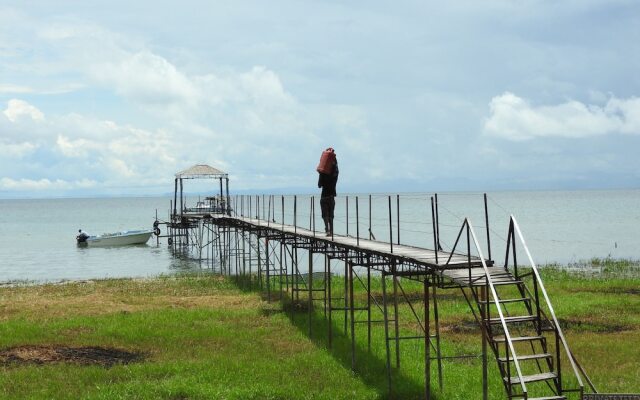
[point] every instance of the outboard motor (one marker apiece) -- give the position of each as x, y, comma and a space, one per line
82, 237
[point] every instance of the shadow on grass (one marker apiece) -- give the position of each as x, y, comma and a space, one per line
370, 367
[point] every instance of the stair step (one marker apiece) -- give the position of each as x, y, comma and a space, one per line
521, 318
506, 282
499, 274
531, 378
548, 398
501, 339
525, 299
527, 357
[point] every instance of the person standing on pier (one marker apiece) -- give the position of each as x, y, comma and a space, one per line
328, 171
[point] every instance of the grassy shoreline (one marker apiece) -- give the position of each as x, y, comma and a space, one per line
202, 336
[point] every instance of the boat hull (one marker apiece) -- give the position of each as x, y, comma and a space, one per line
120, 239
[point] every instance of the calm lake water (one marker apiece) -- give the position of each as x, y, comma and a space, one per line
37, 237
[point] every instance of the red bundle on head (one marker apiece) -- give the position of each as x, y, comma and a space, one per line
327, 161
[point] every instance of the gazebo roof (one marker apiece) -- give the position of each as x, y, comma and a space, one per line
201, 171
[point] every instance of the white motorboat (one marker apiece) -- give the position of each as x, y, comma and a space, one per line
116, 239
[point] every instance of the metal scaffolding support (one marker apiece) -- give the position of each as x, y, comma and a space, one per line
252, 242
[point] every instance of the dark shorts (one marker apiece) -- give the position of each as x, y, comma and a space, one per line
327, 204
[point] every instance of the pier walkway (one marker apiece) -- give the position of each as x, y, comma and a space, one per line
456, 267
294, 264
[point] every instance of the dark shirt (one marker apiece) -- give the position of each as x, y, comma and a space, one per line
328, 184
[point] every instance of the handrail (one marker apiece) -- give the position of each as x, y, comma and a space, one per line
582, 371
546, 298
507, 336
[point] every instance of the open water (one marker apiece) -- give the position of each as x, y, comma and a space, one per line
37, 237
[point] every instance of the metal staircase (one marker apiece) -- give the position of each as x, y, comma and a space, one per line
519, 324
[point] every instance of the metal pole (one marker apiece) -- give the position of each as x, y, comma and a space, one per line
310, 288
357, 224
368, 305
326, 279
181, 198
437, 323
219, 234
235, 236
346, 292
170, 224
386, 330
390, 227
433, 223
370, 233
230, 251
469, 253
286, 275
396, 317
311, 213
515, 257
347, 204
269, 212
260, 284
398, 216
437, 223
250, 276
486, 220
209, 243
427, 340
297, 272
353, 318
175, 197
485, 374
228, 199
330, 305
268, 268
250, 257
243, 271
282, 264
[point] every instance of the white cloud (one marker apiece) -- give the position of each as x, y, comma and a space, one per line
43, 184
629, 111
74, 148
145, 77
17, 109
17, 150
514, 118
9, 88
264, 87
116, 152
53, 90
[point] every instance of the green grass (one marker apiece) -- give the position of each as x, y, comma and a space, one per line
206, 337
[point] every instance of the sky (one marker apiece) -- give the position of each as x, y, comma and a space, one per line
113, 98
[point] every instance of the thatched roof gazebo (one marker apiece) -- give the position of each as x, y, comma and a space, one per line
201, 171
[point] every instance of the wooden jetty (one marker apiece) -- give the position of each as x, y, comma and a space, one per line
248, 236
